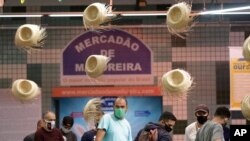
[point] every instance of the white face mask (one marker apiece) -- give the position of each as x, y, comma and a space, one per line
49, 125
65, 130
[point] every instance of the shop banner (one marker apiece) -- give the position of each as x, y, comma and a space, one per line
106, 91
239, 77
130, 64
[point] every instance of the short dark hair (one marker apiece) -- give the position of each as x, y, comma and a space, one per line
167, 116
222, 112
122, 97
68, 120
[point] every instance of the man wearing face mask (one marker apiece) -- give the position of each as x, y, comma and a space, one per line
114, 127
48, 132
164, 127
212, 130
67, 124
201, 113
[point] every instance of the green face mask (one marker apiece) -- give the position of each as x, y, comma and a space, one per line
120, 113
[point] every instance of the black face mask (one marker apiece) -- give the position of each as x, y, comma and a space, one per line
167, 128
201, 119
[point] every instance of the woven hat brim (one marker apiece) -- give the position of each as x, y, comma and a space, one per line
25, 96
183, 86
182, 20
246, 49
245, 107
99, 66
92, 110
29, 35
99, 17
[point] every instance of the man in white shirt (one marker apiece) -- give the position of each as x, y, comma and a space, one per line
201, 113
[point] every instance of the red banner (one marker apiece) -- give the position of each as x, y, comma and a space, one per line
106, 91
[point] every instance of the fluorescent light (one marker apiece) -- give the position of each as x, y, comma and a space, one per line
19, 16
110, 15
224, 10
146, 14
65, 15
232, 13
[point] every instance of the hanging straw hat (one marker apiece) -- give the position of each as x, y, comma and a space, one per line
30, 36
25, 89
95, 65
92, 111
246, 49
245, 107
95, 14
178, 18
177, 82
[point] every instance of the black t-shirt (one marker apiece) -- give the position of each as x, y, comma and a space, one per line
89, 135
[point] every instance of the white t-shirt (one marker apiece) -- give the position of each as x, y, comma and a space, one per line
190, 132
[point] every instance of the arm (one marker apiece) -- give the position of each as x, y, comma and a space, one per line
218, 133
137, 136
217, 139
60, 135
164, 136
38, 136
186, 135
27, 138
100, 134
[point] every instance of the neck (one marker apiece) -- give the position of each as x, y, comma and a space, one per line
198, 124
216, 120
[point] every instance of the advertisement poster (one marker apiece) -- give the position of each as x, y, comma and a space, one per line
139, 112
239, 77
130, 59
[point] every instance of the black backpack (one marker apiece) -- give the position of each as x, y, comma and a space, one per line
151, 135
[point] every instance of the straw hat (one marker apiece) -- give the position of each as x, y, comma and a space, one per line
176, 82
178, 18
92, 111
246, 49
30, 36
95, 65
245, 107
95, 14
25, 89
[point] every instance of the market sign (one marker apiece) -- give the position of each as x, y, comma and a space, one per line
130, 64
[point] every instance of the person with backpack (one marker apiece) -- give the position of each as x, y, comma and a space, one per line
158, 131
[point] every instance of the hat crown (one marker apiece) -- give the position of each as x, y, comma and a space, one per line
202, 107
95, 65
25, 89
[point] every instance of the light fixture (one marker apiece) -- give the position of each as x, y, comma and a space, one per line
65, 15
222, 11
230, 11
20, 16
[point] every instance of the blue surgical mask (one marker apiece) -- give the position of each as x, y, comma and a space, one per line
120, 113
